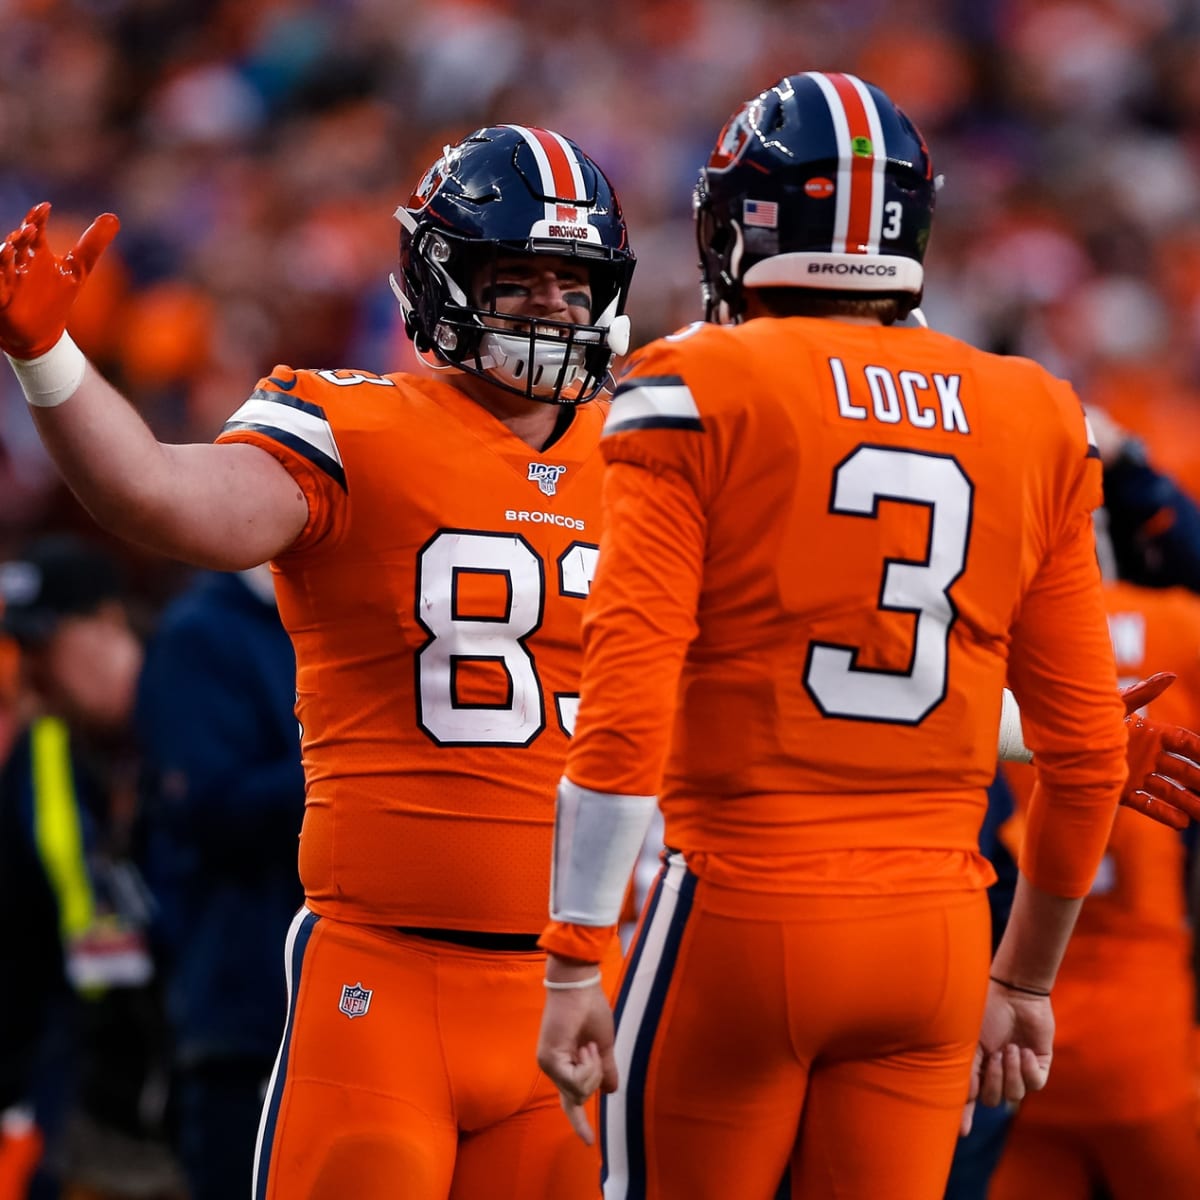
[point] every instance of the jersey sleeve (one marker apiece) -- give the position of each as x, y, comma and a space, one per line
1063, 673
285, 417
640, 618
641, 614
655, 421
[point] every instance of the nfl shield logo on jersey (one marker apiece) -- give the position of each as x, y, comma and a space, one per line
355, 1000
545, 476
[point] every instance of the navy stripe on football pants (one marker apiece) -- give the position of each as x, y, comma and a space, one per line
301, 929
638, 1013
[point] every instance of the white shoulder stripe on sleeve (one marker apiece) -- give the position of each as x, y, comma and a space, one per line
653, 402
309, 428
295, 423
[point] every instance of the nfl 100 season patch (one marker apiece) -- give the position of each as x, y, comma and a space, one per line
546, 477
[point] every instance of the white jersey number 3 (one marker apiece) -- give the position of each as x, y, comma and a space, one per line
456, 641
838, 686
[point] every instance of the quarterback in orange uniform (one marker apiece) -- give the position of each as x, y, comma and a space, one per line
433, 540
829, 540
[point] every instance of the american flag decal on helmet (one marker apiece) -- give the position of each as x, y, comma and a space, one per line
764, 213
862, 162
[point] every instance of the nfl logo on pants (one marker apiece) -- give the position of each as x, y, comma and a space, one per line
355, 1000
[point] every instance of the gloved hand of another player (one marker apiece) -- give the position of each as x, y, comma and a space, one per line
37, 287
20, 1151
1138, 695
1164, 760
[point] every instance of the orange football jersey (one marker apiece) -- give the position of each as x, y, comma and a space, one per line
864, 531
1123, 999
434, 600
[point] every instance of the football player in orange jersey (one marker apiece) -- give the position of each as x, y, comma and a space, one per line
433, 539
433, 543
1120, 1113
829, 538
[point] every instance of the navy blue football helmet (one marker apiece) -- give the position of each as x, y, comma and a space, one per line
502, 190
819, 182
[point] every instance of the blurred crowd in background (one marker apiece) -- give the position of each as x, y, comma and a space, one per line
256, 149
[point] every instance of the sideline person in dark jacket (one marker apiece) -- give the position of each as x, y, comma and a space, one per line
81, 1026
225, 797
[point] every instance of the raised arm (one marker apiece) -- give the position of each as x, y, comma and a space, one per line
216, 505
222, 506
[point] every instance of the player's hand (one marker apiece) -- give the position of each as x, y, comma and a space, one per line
575, 1049
37, 288
1014, 1053
1164, 775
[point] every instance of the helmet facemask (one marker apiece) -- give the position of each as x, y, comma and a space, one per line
721, 244
540, 358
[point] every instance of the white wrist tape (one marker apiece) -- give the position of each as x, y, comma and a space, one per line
1012, 746
597, 838
52, 377
573, 985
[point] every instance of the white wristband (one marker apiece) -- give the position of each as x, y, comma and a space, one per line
597, 836
1012, 746
52, 377
572, 985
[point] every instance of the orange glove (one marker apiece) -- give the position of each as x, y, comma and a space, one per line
1138, 695
20, 1152
1164, 760
37, 288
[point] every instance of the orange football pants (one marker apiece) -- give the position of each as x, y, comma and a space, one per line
775, 1046
1131, 1160
408, 1069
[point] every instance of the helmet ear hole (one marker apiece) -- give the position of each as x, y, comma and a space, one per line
722, 241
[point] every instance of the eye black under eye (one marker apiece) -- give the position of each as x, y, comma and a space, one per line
504, 291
